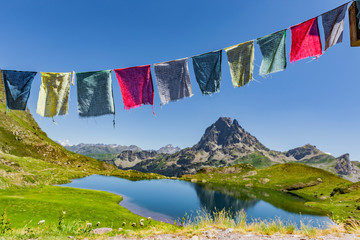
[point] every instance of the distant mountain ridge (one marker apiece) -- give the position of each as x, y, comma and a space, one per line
224, 143
86, 149
169, 149
112, 152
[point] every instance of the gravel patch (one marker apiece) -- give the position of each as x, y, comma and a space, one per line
231, 235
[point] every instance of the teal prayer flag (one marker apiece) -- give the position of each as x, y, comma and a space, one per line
207, 68
95, 95
274, 54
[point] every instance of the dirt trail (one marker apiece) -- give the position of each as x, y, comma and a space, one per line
230, 234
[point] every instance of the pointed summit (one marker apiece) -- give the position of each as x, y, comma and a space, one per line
225, 133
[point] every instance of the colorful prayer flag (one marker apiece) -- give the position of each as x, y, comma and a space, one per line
54, 94
241, 62
17, 86
207, 68
333, 23
173, 80
136, 86
305, 40
95, 94
274, 54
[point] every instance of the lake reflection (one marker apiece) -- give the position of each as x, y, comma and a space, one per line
169, 200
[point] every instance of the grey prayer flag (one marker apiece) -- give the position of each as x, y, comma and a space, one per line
173, 80
333, 22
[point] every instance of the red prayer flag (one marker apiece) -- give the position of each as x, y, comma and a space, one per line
305, 40
136, 86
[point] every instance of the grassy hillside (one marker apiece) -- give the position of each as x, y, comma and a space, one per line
30, 163
256, 159
321, 189
29, 157
22, 139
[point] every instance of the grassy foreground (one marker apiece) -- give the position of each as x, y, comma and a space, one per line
28, 206
220, 220
66, 211
28, 197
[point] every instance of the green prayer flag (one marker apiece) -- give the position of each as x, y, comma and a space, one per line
274, 54
95, 95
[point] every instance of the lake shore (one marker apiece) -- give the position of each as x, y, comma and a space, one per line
171, 200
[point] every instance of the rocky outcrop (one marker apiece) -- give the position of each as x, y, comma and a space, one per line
132, 156
306, 151
344, 166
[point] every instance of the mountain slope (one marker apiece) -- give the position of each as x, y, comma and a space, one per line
226, 143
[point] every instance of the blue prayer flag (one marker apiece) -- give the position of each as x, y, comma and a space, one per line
207, 68
17, 86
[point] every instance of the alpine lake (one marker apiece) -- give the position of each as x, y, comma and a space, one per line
170, 200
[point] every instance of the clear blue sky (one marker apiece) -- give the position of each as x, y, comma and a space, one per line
314, 102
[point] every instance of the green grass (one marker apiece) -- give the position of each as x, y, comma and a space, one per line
256, 159
103, 156
27, 206
323, 161
204, 221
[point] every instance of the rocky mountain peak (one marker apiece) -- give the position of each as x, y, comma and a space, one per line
225, 133
169, 149
223, 122
344, 165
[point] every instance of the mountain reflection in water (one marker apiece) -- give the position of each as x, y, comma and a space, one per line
169, 200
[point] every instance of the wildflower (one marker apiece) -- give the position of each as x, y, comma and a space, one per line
64, 212
41, 222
